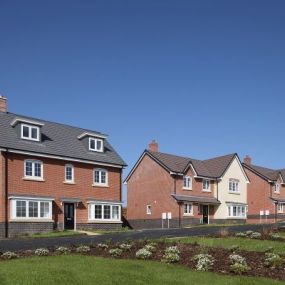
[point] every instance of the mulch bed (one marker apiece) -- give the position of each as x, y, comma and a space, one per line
254, 260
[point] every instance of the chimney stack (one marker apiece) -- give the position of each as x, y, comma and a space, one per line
247, 160
3, 104
153, 146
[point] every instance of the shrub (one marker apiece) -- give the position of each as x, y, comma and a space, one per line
83, 249
41, 251
249, 233
224, 232
239, 268
273, 260
204, 262
150, 247
235, 258
275, 237
234, 248
255, 235
9, 255
143, 253
171, 257
240, 234
102, 245
172, 249
63, 250
115, 252
125, 246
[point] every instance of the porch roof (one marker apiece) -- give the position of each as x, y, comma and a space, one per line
196, 199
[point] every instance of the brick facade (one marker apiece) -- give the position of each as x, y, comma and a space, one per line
54, 186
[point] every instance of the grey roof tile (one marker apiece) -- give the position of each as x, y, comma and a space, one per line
58, 139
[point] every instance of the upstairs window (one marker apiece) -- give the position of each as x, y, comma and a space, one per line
276, 187
100, 177
33, 169
187, 182
29, 132
233, 186
69, 176
206, 185
96, 144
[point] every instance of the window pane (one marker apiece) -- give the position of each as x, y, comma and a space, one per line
25, 132
29, 168
20, 209
68, 173
229, 211
44, 211
115, 213
92, 144
103, 177
33, 209
98, 211
97, 176
99, 145
34, 133
38, 169
107, 212
234, 211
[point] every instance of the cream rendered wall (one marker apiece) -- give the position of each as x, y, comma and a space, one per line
234, 171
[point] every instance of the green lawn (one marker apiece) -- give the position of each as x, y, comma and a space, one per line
79, 270
243, 243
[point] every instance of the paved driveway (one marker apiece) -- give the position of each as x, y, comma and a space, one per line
29, 243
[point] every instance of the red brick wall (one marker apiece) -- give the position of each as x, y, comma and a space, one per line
2, 189
54, 174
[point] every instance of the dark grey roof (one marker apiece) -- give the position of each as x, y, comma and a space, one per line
70, 200
213, 168
267, 173
57, 139
278, 200
196, 199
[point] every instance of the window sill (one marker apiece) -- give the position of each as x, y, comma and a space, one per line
69, 183
100, 185
104, 222
278, 193
239, 218
235, 193
204, 190
33, 179
187, 189
188, 215
25, 220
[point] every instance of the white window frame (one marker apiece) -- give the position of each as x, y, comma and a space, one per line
39, 201
280, 208
209, 185
33, 177
188, 184
234, 186
91, 212
148, 209
72, 173
30, 127
100, 177
187, 212
95, 144
241, 211
276, 187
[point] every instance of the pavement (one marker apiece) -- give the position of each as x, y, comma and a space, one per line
33, 243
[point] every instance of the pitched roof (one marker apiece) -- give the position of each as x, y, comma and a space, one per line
57, 139
212, 168
267, 173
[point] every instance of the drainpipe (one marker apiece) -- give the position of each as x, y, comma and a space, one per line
6, 195
217, 189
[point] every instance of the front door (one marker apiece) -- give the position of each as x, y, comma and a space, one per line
68, 216
205, 214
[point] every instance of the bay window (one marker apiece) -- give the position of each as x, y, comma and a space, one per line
237, 211
104, 212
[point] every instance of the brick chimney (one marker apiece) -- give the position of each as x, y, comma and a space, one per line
153, 146
3, 104
247, 160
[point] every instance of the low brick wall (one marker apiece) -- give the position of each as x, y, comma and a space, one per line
99, 226
19, 228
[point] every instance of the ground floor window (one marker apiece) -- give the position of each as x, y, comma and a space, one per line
104, 212
188, 209
237, 211
280, 208
31, 209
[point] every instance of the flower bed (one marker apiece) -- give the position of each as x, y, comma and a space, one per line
193, 256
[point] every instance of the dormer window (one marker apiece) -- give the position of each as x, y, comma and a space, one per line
29, 132
96, 144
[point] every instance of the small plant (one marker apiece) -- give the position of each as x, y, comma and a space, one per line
108, 241
240, 234
269, 249
150, 247
255, 235
63, 250
238, 264
9, 255
234, 248
143, 253
103, 245
204, 262
115, 252
83, 249
224, 232
275, 237
249, 233
125, 246
235, 258
41, 251
273, 260
172, 249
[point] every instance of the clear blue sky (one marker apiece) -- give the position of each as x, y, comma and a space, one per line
203, 78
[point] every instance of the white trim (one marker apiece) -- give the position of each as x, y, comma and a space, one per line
209, 185
281, 211
231, 216
33, 177
96, 140
189, 182
16, 120
62, 158
192, 209
148, 209
30, 198
30, 127
104, 202
91, 212
92, 135
276, 184
72, 174
100, 184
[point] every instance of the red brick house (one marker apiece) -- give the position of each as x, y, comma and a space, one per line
55, 176
266, 193
193, 191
